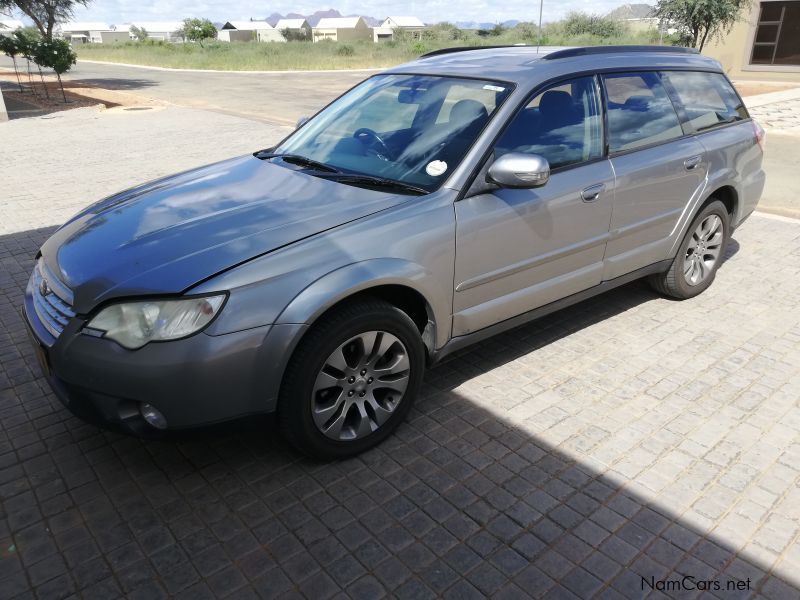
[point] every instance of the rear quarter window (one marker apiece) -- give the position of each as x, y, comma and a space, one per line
708, 98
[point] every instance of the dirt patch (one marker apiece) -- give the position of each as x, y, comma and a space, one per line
47, 95
754, 88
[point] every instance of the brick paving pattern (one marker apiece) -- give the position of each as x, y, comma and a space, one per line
627, 438
783, 115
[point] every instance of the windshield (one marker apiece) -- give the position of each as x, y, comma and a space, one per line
413, 129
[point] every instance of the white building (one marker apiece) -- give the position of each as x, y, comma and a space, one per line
248, 31
300, 26
93, 32
8, 26
161, 30
342, 29
385, 32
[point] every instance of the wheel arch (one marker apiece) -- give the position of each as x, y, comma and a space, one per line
725, 193
396, 281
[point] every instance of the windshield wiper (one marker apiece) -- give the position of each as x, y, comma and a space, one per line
381, 182
296, 159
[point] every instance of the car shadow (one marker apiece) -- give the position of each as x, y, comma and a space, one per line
462, 501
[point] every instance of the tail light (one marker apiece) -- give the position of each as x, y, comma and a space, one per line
760, 134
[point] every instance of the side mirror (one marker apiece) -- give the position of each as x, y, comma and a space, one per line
301, 121
517, 170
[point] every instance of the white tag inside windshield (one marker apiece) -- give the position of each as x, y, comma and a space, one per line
436, 168
494, 88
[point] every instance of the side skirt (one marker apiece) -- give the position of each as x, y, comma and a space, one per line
457, 343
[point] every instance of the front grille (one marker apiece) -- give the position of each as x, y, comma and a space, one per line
54, 306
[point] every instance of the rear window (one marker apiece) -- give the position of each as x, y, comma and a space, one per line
640, 112
708, 98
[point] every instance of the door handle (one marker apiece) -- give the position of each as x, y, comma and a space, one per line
690, 164
592, 193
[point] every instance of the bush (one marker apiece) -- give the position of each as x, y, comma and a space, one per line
418, 48
443, 32
345, 50
580, 23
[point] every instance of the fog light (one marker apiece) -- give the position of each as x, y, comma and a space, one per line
152, 415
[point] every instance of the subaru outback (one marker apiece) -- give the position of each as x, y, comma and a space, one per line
431, 206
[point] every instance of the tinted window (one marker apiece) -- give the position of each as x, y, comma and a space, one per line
563, 124
639, 111
708, 98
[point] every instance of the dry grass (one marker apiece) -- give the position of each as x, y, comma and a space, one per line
275, 56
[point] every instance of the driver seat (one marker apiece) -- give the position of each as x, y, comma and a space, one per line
468, 116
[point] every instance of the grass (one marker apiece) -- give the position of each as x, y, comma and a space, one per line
269, 56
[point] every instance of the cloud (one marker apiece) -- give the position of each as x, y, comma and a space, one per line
430, 11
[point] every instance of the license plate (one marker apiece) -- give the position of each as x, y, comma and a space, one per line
41, 354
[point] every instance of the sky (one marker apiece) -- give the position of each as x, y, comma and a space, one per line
430, 11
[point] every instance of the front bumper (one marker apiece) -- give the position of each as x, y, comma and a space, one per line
196, 381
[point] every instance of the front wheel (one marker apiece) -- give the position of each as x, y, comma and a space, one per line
699, 256
352, 380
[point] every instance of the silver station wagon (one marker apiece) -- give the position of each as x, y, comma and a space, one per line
431, 206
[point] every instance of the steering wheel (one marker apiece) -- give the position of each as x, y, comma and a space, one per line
365, 135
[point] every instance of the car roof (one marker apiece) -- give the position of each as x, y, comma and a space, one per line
529, 65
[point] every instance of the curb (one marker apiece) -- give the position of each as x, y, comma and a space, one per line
294, 71
3, 111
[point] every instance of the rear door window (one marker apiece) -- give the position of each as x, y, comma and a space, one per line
640, 112
708, 98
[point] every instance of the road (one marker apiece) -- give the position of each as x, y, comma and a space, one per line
278, 98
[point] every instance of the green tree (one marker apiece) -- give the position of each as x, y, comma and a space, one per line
294, 35
700, 21
580, 23
26, 39
9, 47
44, 13
57, 55
140, 33
197, 30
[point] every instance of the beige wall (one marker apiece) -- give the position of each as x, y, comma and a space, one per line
343, 34
735, 48
236, 35
270, 35
109, 37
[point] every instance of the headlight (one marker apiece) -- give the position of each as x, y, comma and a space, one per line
134, 324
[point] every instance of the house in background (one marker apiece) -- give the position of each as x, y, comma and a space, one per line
637, 17
299, 26
80, 32
765, 44
248, 31
342, 29
410, 25
9, 26
161, 30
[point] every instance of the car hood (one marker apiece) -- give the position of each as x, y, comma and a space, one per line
165, 236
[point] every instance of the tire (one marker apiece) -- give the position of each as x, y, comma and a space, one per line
692, 270
338, 397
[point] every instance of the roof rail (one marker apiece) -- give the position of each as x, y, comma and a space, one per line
466, 49
587, 51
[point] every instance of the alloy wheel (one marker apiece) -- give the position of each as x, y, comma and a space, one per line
704, 250
360, 385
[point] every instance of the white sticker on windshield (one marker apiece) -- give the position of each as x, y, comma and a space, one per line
494, 88
436, 168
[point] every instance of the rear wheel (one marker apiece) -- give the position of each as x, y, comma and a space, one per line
352, 380
699, 256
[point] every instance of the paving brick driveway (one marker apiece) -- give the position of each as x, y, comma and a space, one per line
625, 441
